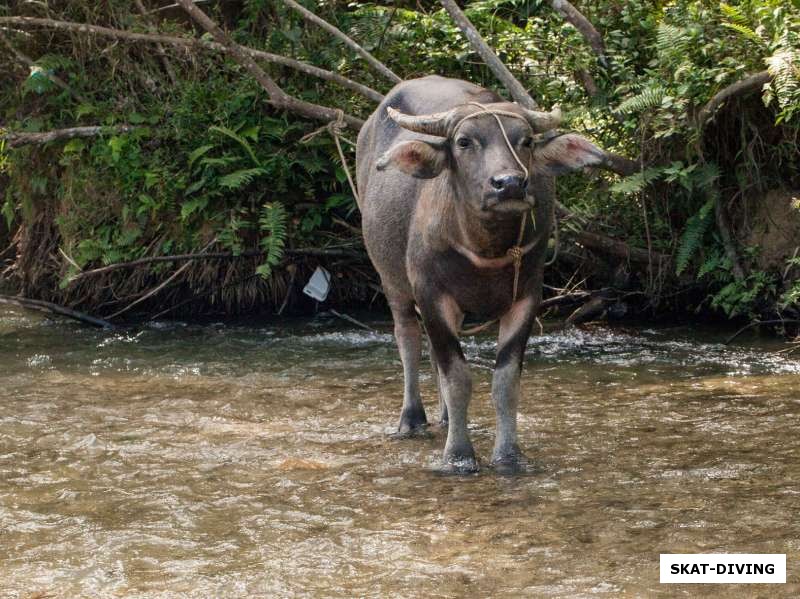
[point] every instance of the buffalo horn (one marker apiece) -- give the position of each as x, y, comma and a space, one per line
543, 121
430, 124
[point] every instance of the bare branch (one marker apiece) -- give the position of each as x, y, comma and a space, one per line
319, 252
574, 17
337, 33
277, 97
193, 43
40, 306
514, 87
162, 55
619, 249
27, 61
21, 139
747, 85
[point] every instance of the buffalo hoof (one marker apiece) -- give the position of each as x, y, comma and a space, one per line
511, 464
459, 467
461, 461
413, 423
418, 432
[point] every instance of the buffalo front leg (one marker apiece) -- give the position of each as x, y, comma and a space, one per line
515, 328
442, 319
409, 342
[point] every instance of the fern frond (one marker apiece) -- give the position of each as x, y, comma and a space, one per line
692, 236
705, 176
784, 66
240, 178
647, 98
733, 14
637, 181
672, 40
272, 223
238, 139
744, 31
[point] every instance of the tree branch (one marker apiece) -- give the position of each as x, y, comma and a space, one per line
277, 97
194, 43
21, 139
40, 306
514, 87
619, 249
574, 17
319, 22
747, 85
27, 61
324, 252
161, 54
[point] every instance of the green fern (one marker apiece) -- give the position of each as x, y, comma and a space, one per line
672, 40
272, 223
692, 236
784, 66
238, 139
637, 181
647, 98
744, 31
241, 178
733, 14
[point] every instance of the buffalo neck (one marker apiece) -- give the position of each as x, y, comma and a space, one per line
490, 234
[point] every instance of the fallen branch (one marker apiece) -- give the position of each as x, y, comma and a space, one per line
50, 308
161, 286
619, 249
758, 323
514, 87
574, 17
352, 320
747, 85
197, 44
29, 62
326, 252
277, 97
337, 33
560, 300
196, 297
21, 139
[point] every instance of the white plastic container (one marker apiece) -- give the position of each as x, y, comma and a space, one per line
318, 285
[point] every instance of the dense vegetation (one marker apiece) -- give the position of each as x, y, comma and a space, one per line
209, 165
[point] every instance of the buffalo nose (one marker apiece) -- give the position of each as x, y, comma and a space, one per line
511, 186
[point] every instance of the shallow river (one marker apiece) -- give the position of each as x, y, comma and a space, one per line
231, 461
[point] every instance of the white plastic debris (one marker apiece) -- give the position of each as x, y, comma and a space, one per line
318, 285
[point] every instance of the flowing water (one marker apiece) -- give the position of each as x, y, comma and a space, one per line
233, 461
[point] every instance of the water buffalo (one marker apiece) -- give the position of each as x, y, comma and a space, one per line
442, 198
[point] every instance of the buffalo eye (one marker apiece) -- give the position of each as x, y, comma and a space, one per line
463, 142
527, 142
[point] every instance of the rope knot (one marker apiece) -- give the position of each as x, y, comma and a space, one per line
515, 253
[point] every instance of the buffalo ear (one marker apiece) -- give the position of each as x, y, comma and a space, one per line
419, 159
568, 152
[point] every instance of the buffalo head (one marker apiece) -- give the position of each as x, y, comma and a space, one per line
477, 151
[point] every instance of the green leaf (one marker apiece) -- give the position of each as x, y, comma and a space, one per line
192, 206
240, 178
198, 153
692, 237
238, 139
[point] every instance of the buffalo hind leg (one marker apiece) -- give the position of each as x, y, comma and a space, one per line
515, 328
409, 343
442, 319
